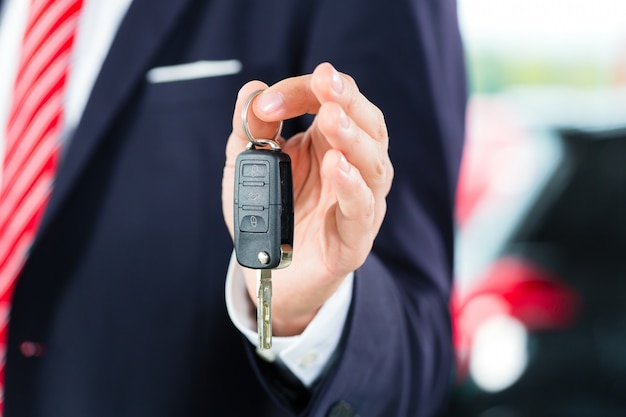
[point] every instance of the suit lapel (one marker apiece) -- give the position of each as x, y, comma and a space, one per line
141, 32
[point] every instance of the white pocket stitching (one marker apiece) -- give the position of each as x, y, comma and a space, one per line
193, 70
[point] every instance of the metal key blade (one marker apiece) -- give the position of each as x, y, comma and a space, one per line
264, 308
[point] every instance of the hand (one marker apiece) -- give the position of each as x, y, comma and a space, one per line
342, 174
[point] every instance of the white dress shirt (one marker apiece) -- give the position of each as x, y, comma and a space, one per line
306, 354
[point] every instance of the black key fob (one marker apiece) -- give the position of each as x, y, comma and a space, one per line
263, 206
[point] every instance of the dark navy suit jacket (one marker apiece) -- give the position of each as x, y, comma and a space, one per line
123, 292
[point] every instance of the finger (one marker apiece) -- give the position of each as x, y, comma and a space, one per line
289, 98
364, 143
366, 146
369, 156
257, 127
329, 85
355, 215
295, 96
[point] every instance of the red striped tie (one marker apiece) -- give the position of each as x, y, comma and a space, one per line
32, 139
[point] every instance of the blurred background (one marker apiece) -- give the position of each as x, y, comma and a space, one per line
539, 305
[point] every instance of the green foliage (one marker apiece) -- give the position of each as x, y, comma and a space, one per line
491, 72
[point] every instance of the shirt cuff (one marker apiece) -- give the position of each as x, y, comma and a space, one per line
307, 354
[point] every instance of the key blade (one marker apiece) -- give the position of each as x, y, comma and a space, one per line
264, 308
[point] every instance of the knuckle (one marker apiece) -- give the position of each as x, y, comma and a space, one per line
370, 208
389, 177
351, 82
381, 165
381, 126
354, 94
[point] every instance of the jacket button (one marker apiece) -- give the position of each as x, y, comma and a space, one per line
342, 409
31, 349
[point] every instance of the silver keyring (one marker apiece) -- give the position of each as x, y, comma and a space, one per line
273, 142
263, 142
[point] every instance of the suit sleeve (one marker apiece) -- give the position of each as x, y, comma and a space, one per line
406, 57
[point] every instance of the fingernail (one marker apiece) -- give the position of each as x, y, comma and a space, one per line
337, 83
343, 164
270, 102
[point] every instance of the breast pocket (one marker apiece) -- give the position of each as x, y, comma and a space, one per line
194, 82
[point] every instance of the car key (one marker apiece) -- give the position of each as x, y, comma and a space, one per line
263, 216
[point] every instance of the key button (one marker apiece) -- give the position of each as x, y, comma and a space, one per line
255, 170
253, 224
254, 195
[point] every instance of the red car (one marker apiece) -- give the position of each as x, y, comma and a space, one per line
539, 309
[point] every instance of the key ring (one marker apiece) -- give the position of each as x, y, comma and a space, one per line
273, 142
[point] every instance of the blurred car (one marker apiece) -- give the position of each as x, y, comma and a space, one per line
539, 308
